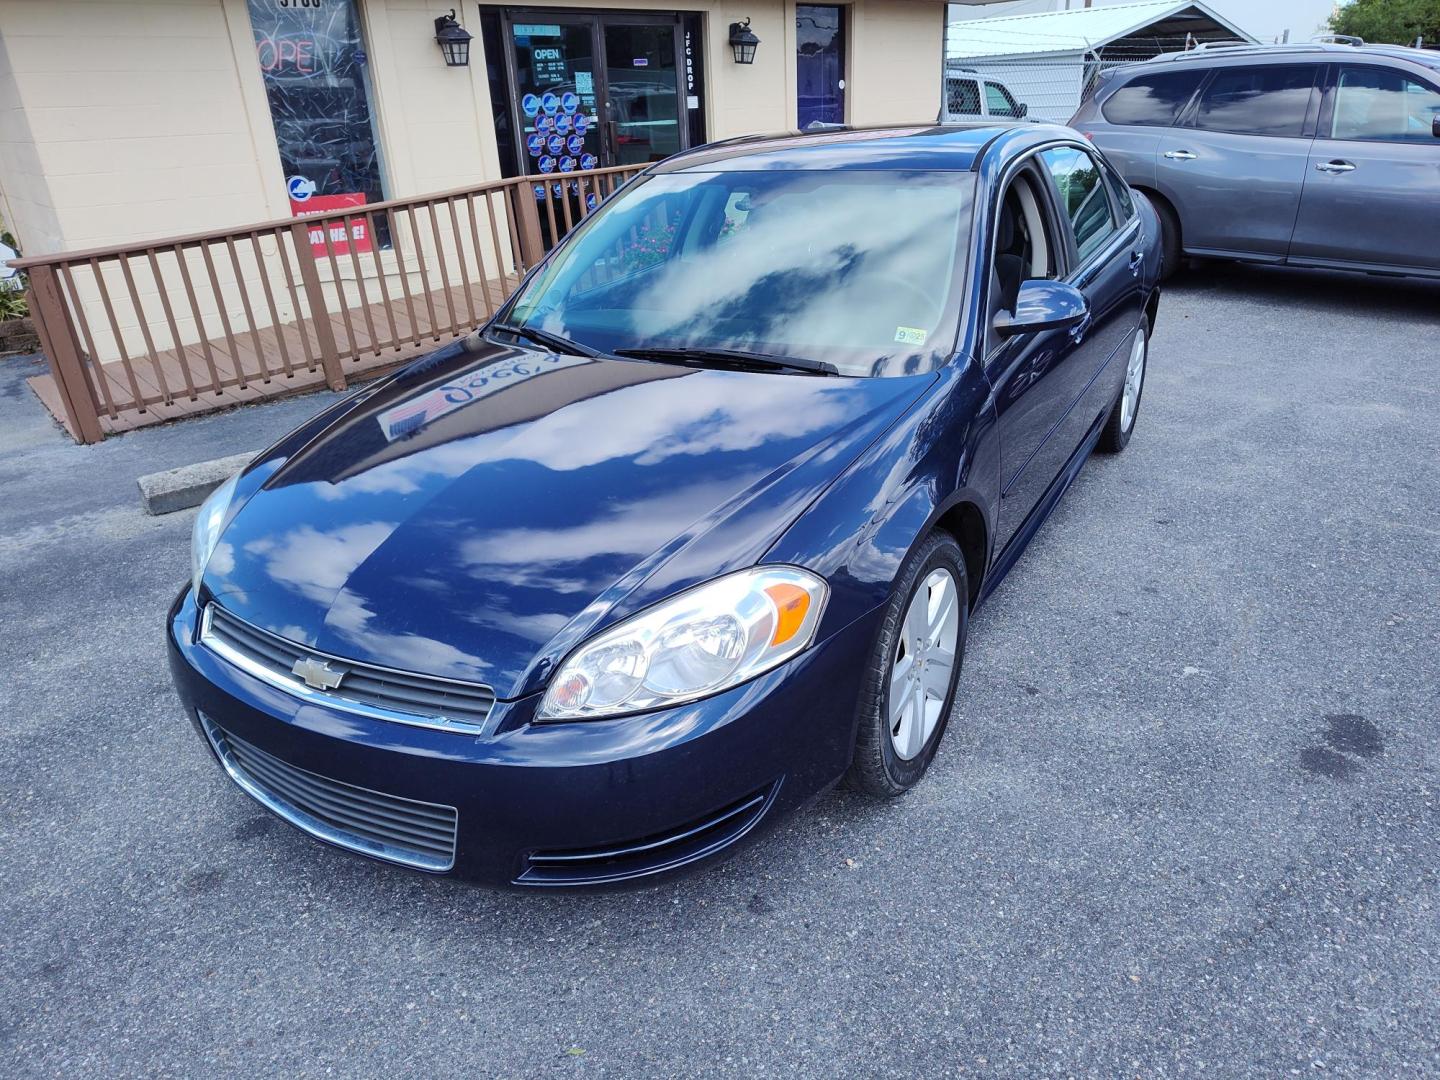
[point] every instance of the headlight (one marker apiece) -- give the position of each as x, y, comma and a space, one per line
207, 529
705, 640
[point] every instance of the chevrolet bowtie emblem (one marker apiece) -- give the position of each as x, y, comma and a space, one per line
318, 674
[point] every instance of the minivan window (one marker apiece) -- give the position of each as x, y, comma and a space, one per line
962, 96
1379, 104
1082, 197
1152, 100
1258, 100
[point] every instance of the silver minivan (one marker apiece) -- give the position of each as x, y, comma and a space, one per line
1310, 155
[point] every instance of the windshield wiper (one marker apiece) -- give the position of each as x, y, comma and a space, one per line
555, 342
737, 358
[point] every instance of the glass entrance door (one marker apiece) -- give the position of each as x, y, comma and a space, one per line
557, 105
593, 90
642, 89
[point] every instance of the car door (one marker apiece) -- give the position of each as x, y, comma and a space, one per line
1372, 191
1106, 256
1129, 122
1235, 168
1031, 374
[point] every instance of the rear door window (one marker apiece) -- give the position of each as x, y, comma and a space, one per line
1258, 100
1378, 104
1082, 197
962, 97
1152, 100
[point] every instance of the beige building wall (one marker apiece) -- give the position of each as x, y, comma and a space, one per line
136, 117
24, 194
896, 55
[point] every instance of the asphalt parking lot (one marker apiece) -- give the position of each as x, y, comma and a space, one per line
1185, 820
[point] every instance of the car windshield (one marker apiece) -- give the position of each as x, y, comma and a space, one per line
855, 269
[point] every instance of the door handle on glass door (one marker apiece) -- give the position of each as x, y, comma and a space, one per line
1335, 167
1180, 155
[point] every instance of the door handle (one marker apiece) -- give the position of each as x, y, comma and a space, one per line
1136, 259
1180, 155
1335, 167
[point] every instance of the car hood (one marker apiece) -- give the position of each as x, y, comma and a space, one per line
477, 515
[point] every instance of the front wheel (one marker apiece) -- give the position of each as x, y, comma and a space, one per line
1121, 424
913, 671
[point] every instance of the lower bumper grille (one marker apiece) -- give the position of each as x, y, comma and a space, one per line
405, 831
649, 855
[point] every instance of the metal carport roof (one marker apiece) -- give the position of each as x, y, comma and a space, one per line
1085, 30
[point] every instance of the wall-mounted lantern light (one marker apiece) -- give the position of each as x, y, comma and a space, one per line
454, 40
743, 42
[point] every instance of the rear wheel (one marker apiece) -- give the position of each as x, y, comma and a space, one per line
913, 671
1171, 253
1121, 424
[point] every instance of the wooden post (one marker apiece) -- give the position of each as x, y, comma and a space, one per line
526, 221
67, 363
315, 301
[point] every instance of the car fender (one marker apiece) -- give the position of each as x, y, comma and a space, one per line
941, 454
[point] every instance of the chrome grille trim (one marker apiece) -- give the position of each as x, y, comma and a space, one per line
412, 833
401, 697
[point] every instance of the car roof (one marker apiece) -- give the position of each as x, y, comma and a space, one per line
929, 147
1313, 50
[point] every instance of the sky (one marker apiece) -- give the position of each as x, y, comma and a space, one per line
1265, 19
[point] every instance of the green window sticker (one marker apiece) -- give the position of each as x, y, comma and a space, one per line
909, 335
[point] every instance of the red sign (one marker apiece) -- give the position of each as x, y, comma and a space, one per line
341, 233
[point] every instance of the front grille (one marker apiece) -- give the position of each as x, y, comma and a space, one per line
405, 831
401, 696
652, 854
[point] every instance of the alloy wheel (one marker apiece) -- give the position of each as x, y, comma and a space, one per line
920, 674
1134, 379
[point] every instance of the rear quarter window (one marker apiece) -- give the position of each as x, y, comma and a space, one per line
1152, 100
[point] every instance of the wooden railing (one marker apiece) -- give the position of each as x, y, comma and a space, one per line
147, 332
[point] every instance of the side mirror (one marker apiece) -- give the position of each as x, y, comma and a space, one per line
1022, 110
1043, 305
1435, 126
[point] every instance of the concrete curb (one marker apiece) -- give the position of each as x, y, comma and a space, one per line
187, 486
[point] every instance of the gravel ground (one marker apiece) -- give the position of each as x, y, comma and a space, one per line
1185, 820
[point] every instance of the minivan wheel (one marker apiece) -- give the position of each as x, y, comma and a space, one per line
1170, 251
912, 673
1121, 424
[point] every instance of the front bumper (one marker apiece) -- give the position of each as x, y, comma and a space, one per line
600, 802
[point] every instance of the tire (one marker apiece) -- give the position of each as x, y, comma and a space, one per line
1171, 253
1121, 423
888, 762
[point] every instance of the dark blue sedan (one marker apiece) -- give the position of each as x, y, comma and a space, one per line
694, 527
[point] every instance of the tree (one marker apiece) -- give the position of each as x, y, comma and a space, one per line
1393, 22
